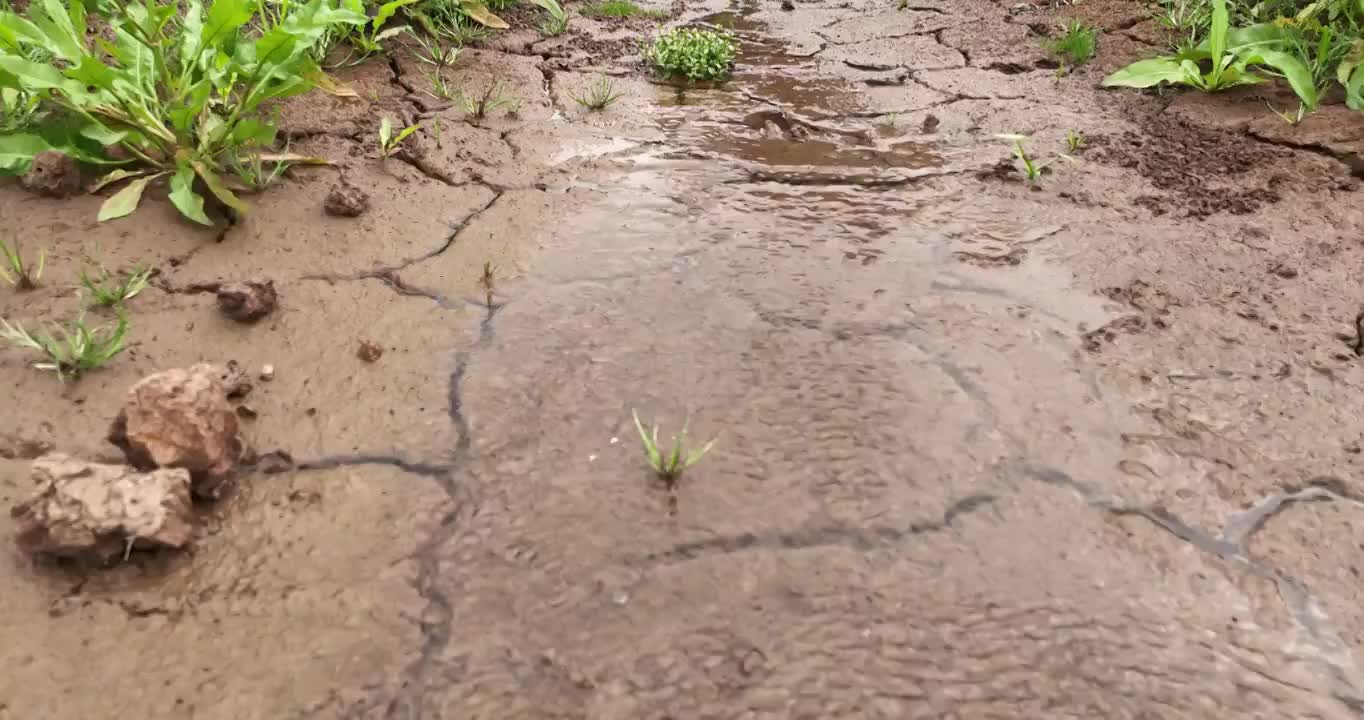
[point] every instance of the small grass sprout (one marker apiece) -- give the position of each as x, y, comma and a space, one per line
388, 142
1075, 141
600, 94
250, 168
16, 271
108, 290
492, 98
1075, 45
669, 464
1032, 169
621, 9
692, 53
72, 350
435, 51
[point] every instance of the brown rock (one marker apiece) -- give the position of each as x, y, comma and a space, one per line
247, 301
52, 175
369, 351
236, 383
346, 200
99, 512
181, 419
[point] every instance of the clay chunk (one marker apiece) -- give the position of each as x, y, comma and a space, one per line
93, 512
52, 175
181, 419
247, 301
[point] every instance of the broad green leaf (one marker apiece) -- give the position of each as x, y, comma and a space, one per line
50, 16
192, 34
1293, 70
39, 76
182, 195
1261, 34
479, 13
225, 17
387, 10
116, 175
387, 33
125, 201
328, 84
252, 131
402, 135
15, 29
17, 151
1217, 38
215, 185
1147, 73
553, 7
294, 158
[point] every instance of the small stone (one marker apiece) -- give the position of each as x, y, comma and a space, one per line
930, 124
181, 419
346, 200
235, 382
787, 5
369, 351
275, 462
1283, 271
52, 174
246, 412
97, 512
247, 301
267, 372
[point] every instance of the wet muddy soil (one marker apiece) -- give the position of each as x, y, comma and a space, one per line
1089, 449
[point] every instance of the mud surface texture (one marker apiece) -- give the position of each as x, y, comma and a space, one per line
985, 451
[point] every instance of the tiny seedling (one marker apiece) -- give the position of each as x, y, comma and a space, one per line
251, 169
388, 142
600, 94
72, 350
434, 51
1075, 141
19, 273
1032, 169
1075, 46
669, 464
441, 89
107, 290
488, 281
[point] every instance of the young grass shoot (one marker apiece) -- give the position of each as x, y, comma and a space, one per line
388, 141
16, 270
669, 464
71, 350
600, 94
104, 289
1075, 45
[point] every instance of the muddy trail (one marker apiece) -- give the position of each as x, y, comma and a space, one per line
984, 451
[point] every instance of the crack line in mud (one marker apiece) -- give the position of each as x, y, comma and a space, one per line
857, 538
1303, 607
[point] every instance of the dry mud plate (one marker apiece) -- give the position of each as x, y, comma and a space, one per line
1090, 450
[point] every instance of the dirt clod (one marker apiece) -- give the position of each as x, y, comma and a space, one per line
369, 351
267, 373
52, 175
247, 301
181, 419
346, 200
89, 511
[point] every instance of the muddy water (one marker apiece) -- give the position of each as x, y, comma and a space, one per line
931, 495
911, 510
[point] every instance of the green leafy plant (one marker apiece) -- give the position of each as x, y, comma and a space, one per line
20, 274
1032, 168
105, 289
70, 350
259, 170
1222, 61
389, 142
600, 94
1187, 21
178, 90
435, 50
501, 5
554, 26
620, 9
1075, 45
1075, 141
692, 53
368, 39
669, 464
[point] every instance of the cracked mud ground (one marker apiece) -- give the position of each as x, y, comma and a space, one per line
985, 452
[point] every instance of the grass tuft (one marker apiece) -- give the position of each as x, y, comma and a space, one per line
669, 464
621, 9
1075, 46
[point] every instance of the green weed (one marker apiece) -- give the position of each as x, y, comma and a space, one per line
600, 94
1075, 45
70, 350
621, 9
692, 53
179, 89
435, 50
105, 289
669, 464
19, 273
1075, 141
259, 170
1033, 170
389, 142
501, 5
478, 106
367, 39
